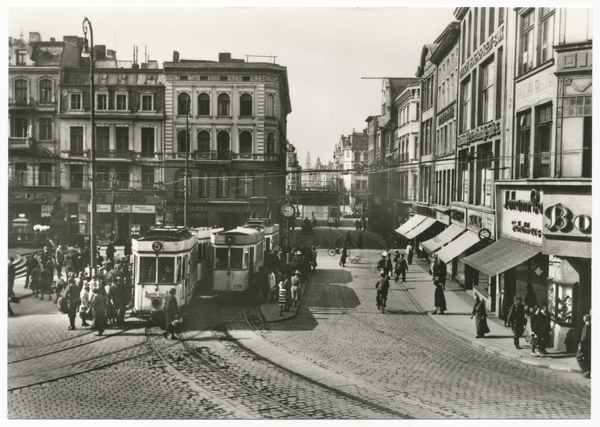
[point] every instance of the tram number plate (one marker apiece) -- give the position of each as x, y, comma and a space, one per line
155, 294
237, 287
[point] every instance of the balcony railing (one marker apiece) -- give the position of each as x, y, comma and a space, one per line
18, 142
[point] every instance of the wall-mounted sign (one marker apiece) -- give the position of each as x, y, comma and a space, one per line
442, 217
458, 214
491, 42
143, 209
521, 214
123, 208
482, 133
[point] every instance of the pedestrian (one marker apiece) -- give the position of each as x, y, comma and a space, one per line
84, 311
46, 282
439, 298
72, 296
121, 301
84, 259
98, 311
481, 327
30, 264
273, 288
584, 350
34, 283
46, 255
389, 266
516, 320
409, 253
544, 329
111, 299
438, 270
59, 259
401, 268
382, 286
313, 254
364, 223
11, 277
381, 262
344, 256
287, 284
60, 285
282, 298
110, 251
361, 240
295, 288
357, 225
170, 313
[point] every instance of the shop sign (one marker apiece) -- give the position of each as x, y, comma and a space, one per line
31, 197
217, 208
489, 223
522, 215
119, 198
150, 209
123, 208
458, 215
482, 133
423, 210
103, 208
442, 217
475, 219
483, 50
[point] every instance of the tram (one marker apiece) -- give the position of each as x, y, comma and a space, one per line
165, 258
333, 216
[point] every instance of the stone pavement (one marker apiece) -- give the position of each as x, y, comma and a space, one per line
457, 319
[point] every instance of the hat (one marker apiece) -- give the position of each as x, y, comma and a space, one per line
384, 254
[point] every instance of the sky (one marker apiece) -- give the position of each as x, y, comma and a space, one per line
327, 51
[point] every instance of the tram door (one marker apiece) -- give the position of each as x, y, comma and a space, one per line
251, 262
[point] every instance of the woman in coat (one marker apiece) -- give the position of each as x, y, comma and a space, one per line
481, 326
439, 299
98, 312
344, 256
46, 282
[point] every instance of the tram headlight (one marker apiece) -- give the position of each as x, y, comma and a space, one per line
156, 303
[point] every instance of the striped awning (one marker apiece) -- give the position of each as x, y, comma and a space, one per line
422, 227
458, 246
442, 239
410, 224
501, 256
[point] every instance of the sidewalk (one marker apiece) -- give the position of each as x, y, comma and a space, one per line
457, 319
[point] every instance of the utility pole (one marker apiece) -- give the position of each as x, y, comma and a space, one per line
187, 152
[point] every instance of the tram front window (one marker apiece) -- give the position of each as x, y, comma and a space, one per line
237, 255
166, 272
222, 257
147, 269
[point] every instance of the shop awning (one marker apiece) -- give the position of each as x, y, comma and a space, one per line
410, 224
458, 246
423, 226
443, 238
501, 256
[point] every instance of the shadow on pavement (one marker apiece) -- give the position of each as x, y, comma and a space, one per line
330, 276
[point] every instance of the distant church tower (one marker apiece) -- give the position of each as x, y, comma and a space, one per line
308, 160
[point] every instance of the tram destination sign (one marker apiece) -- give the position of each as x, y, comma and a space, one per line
155, 294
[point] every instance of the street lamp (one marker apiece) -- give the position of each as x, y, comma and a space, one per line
187, 151
89, 50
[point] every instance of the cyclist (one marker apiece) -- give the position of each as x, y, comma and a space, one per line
382, 287
338, 244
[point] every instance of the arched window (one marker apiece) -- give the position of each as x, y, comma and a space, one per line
46, 90
245, 142
21, 90
270, 143
244, 185
223, 146
183, 143
270, 106
223, 102
246, 105
203, 141
204, 185
204, 104
182, 104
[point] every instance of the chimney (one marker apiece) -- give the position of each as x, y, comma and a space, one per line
99, 52
111, 54
52, 39
35, 37
224, 57
175, 56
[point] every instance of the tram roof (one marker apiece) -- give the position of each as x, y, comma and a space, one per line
166, 234
242, 230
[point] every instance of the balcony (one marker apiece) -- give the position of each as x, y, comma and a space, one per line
113, 154
213, 155
19, 143
268, 157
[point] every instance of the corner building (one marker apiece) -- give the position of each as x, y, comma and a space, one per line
234, 138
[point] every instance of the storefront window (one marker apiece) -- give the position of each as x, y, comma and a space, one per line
560, 302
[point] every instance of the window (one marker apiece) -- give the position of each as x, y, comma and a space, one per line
183, 141
122, 142
147, 178
148, 142
223, 186
103, 140
102, 177
527, 21
487, 92
204, 185
147, 103
76, 176
500, 16
223, 146
491, 20
485, 175
523, 145
245, 142
576, 157
270, 105
475, 44
122, 175
75, 101
482, 26
223, 105
148, 269
246, 105
76, 139
465, 108
101, 101
203, 141
21, 90
179, 184
546, 34
21, 173
544, 141
244, 189
21, 56
182, 104
20, 127
270, 143
204, 104
46, 91
121, 101
45, 174
183, 77
357, 156
45, 128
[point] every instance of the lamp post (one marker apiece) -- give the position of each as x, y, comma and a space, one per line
187, 151
89, 50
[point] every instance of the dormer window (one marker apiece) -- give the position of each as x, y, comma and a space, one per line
21, 56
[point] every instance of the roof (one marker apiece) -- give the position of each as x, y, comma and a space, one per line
242, 230
446, 41
399, 84
431, 48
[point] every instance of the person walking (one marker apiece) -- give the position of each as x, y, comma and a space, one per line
170, 313
584, 350
382, 286
59, 258
544, 329
11, 277
72, 296
84, 311
60, 285
31, 262
110, 252
295, 288
401, 268
439, 298
34, 283
98, 311
313, 255
516, 320
481, 326
121, 301
282, 298
344, 256
287, 284
409, 253
46, 282
389, 266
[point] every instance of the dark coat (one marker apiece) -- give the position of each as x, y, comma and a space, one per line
344, 256
481, 326
170, 308
439, 298
98, 311
516, 318
383, 285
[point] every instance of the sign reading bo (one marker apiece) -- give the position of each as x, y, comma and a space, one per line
562, 219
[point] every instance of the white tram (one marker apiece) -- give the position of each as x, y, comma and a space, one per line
165, 258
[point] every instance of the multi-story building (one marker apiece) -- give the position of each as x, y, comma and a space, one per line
351, 154
33, 103
129, 101
293, 177
234, 138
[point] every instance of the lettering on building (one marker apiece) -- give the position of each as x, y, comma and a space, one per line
483, 50
481, 133
446, 115
525, 228
458, 216
533, 205
31, 197
561, 219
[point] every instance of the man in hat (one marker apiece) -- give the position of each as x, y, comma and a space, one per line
170, 312
516, 320
85, 304
72, 296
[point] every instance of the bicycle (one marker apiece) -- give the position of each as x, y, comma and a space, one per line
337, 251
381, 300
